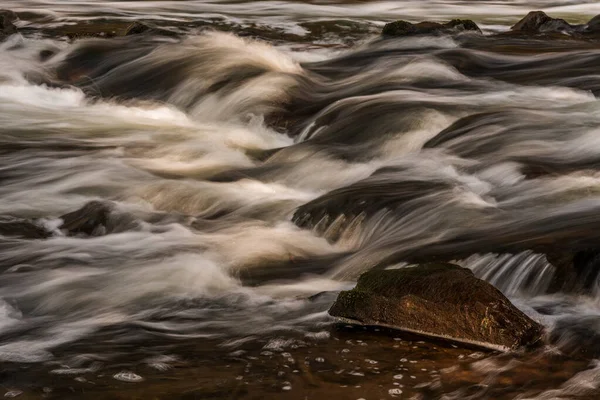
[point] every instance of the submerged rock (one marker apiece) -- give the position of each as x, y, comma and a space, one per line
98, 218
333, 213
438, 300
91, 219
405, 28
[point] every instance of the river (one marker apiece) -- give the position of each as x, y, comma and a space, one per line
204, 140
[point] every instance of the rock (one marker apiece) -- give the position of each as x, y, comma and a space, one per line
17, 227
539, 21
399, 28
7, 26
91, 219
438, 300
98, 218
334, 212
534, 23
100, 29
405, 28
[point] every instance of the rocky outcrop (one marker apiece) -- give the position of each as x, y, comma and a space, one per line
405, 28
438, 300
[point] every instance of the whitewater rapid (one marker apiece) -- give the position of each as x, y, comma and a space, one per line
182, 235
208, 145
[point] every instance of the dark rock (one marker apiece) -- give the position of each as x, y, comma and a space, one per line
7, 19
405, 28
539, 21
438, 300
98, 218
91, 219
536, 23
334, 212
399, 28
23, 228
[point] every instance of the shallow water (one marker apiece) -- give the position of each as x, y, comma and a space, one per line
201, 285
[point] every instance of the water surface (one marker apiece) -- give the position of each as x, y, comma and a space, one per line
205, 142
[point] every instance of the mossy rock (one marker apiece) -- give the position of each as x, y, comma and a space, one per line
438, 300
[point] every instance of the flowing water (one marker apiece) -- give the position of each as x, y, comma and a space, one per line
203, 284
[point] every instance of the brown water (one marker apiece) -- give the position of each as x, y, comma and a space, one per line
352, 363
207, 137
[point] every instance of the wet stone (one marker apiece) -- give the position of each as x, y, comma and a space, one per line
438, 300
539, 21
